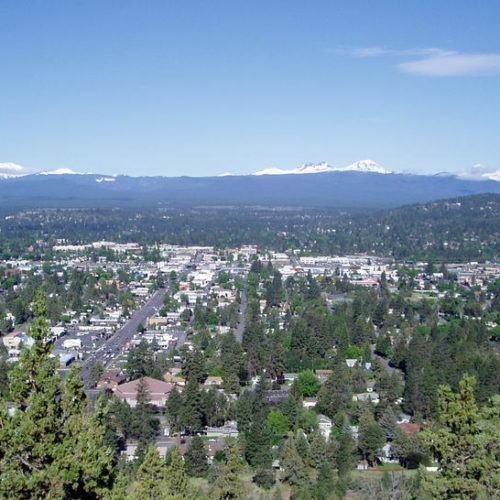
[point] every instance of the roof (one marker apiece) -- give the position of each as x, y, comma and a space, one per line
156, 388
409, 429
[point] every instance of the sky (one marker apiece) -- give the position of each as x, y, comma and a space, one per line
200, 88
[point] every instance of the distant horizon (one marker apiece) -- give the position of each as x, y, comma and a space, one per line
478, 172
202, 88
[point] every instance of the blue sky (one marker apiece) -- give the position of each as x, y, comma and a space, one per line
204, 87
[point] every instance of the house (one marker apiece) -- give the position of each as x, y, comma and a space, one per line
372, 397
309, 403
323, 375
386, 455
409, 429
325, 426
13, 340
158, 391
212, 381
110, 379
174, 379
229, 429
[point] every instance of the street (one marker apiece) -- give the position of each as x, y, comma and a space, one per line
114, 345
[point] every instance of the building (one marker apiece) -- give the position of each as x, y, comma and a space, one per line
158, 391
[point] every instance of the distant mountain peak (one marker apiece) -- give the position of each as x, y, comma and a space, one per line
61, 171
10, 169
481, 172
367, 166
317, 168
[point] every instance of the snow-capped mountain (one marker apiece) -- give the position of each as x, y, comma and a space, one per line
61, 171
481, 172
356, 187
9, 170
317, 168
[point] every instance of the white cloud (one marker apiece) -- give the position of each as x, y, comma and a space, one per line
453, 64
381, 51
434, 61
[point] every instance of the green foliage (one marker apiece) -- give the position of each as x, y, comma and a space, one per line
371, 437
229, 485
278, 424
50, 447
294, 473
465, 445
196, 457
309, 384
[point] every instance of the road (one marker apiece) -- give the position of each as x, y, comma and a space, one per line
114, 345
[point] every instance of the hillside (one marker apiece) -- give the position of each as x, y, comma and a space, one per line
339, 189
462, 228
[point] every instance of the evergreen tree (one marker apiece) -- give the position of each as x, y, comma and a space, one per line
326, 483
140, 361
229, 485
345, 455
51, 447
176, 478
196, 457
465, 445
244, 411
371, 437
173, 409
334, 398
194, 366
151, 477
192, 410
295, 471
258, 442
388, 423
144, 424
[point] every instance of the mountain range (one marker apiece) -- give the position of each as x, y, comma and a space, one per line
317, 186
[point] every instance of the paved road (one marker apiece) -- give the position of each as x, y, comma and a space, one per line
114, 345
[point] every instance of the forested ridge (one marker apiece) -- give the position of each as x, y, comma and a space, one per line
460, 229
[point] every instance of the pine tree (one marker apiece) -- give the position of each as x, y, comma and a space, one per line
388, 423
51, 447
173, 409
295, 472
345, 455
371, 437
196, 457
177, 481
465, 445
144, 423
192, 411
258, 442
229, 485
151, 477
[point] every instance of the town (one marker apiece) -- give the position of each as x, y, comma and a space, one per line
145, 323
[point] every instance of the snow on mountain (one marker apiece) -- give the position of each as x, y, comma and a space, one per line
366, 166
480, 172
317, 168
105, 179
274, 171
9, 170
61, 171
